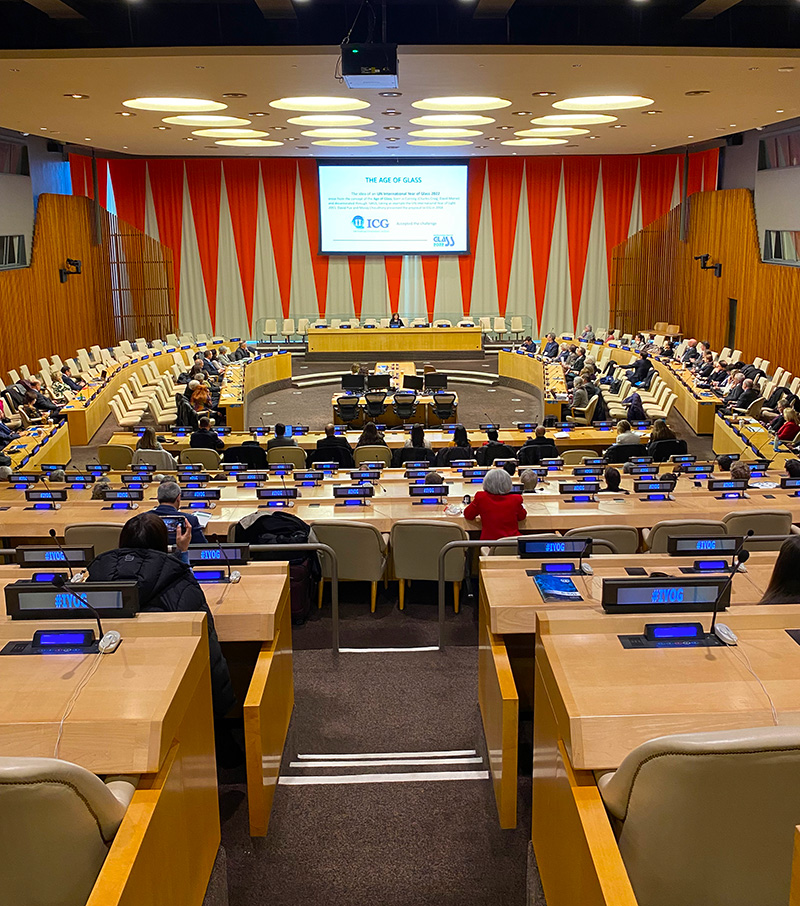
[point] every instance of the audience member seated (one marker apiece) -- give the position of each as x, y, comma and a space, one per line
640, 370
740, 471
75, 384
224, 356
529, 480
493, 450
42, 403
734, 389
724, 462
332, 440
154, 453
499, 510
165, 583
537, 448
29, 411
659, 431
169, 504
792, 468
691, 353
99, 488
625, 434
417, 438
640, 342
6, 435
667, 350
280, 439
612, 479
704, 367
784, 584
396, 321
588, 334
416, 449
528, 345
241, 352
787, 433
635, 412
460, 449
748, 395
371, 437
550, 350
204, 438
580, 396
434, 477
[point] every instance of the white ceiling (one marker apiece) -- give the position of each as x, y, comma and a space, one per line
746, 90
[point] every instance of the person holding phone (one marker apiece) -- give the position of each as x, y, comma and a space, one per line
169, 502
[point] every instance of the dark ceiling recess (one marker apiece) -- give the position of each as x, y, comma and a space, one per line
40, 24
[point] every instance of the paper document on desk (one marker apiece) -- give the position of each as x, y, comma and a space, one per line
561, 434
203, 518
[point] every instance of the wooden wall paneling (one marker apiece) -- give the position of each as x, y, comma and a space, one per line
43, 317
655, 278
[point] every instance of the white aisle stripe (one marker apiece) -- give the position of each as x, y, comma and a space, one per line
413, 777
451, 754
385, 650
382, 762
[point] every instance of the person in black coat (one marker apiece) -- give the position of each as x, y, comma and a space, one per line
206, 439
642, 367
165, 583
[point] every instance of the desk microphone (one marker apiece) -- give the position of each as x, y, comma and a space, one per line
740, 556
50, 492
234, 576
585, 553
58, 544
108, 641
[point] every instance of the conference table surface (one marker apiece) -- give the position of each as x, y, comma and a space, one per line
378, 340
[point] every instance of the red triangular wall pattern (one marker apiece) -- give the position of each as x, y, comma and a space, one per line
241, 186
505, 180
204, 179
542, 179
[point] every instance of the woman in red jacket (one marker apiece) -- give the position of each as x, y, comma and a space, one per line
500, 511
789, 430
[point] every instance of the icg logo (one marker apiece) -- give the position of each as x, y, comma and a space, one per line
443, 242
377, 224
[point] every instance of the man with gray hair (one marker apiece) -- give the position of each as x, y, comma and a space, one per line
169, 503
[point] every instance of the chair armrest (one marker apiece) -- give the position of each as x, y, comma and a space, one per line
123, 786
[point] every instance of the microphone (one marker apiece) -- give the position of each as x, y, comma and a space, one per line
53, 535
108, 641
740, 556
49, 491
585, 553
232, 576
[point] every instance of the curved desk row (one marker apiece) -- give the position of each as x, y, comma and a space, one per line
330, 342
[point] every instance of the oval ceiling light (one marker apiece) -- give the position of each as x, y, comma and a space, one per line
248, 143
466, 104
608, 102
338, 133
452, 119
175, 105
534, 142
191, 119
230, 133
551, 132
440, 142
313, 104
330, 119
445, 133
344, 142
573, 119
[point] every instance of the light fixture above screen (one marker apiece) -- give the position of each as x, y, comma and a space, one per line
604, 102
175, 105
465, 104
319, 104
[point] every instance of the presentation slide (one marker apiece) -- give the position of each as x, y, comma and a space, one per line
384, 209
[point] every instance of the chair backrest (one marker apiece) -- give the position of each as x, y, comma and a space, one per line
533, 454
736, 355
161, 459
294, 455
672, 329
375, 401
754, 409
288, 327
661, 450
444, 404
348, 409
115, 455
359, 546
625, 538
486, 324
762, 522
416, 544
660, 327
500, 325
405, 403
372, 454
331, 454
103, 536
575, 457
58, 823
661, 531
516, 324
335, 322
270, 326
715, 812
254, 457
208, 459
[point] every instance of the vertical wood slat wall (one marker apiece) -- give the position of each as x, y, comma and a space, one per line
655, 278
124, 290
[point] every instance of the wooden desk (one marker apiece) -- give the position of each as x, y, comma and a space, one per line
250, 379
596, 701
40, 444
334, 343
146, 709
750, 439
533, 372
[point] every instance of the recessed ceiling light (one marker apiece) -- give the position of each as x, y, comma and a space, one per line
124, 113
194, 119
124, 147
732, 125
452, 119
230, 133
440, 142
87, 139
695, 94
465, 103
259, 113
344, 142
493, 138
618, 126
392, 128
189, 138
535, 142
752, 69
290, 138
523, 113
248, 143
390, 94
505, 127
573, 119
689, 136
594, 136
338, 133
652, 146
234, 94
551, 132
543, 94
604, 102
390, 112
445, 133
780, 111
77, 97
162, 128
13, 70
392, 138
175, 105
651, 112
313, 104
303, 148
279, 128
330, 119
780, 69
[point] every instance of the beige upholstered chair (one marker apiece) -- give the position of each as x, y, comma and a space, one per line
762, 522
103, 536
360, 549
416, 545
575, 457
117, 456
625, 538
58, 823
708, 818
655, 538
208, 459
270, 328
294, 455
584, 416
163, 461
372, 454
288, 329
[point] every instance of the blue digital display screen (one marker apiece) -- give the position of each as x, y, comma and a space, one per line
712, 565
676, 632
210, 575
707, 544
352, 492
60, 639
43, 506
44, 577
555, 546
120, 506
557, 567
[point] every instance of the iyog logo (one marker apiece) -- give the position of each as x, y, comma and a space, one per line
371, 224
358, 222
443, 242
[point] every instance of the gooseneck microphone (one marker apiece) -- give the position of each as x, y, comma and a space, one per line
53, 535
61, 582
740, 556
232, 576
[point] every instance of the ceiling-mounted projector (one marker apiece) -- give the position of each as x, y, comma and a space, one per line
369, 65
